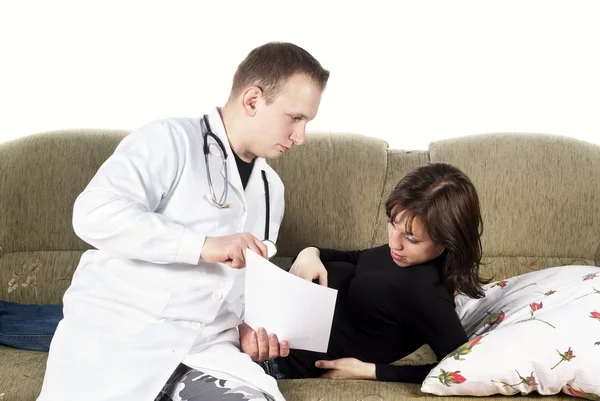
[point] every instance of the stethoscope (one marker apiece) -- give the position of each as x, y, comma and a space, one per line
221, 201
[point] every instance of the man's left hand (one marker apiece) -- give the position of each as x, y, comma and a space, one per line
261, 346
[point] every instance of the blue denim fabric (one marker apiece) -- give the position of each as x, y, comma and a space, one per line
272, 369
29, 327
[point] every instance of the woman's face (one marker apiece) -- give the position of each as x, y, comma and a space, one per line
409, 249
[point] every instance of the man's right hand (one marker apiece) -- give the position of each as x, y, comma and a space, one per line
308, 266
231, 249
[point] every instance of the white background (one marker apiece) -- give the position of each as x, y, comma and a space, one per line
409, 72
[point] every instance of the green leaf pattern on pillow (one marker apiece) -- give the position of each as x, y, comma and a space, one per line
528, 381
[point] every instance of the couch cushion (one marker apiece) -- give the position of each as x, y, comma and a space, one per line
21, 374
540, 194
333, 186
369, 390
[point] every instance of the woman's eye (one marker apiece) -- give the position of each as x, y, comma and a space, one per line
411, 239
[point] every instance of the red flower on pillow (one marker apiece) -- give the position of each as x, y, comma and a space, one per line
456, 378
495, 318
575, 393
530, 380
564, 356
535, 306
464, 349
590, 276
595, 315
500, 284
474, 341
449, 378
569, 355
582, 394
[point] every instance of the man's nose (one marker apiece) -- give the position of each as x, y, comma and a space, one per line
299, 135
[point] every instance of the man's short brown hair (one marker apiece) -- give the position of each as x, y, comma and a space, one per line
269, 65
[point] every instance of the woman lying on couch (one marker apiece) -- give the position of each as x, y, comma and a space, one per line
394, 298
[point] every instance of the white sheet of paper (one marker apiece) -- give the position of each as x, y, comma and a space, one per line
298, 311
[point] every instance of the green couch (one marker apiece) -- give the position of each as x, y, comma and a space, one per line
540, 198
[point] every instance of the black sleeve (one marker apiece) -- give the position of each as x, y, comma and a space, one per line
403, 374
332, 255
433, 319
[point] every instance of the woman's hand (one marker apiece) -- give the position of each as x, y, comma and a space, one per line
308, 266
347, 368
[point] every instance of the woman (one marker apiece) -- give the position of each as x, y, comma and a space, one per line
394, 298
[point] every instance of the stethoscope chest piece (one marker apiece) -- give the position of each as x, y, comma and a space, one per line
271, 248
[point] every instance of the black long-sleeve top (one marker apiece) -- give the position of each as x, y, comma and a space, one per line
383, 313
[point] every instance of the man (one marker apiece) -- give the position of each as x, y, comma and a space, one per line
153, 312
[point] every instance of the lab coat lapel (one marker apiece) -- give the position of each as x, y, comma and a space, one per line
233, 175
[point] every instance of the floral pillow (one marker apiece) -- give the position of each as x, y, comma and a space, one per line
536, 332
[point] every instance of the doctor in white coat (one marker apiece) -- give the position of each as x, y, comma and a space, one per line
161, 297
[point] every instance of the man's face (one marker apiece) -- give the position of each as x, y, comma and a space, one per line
282, 123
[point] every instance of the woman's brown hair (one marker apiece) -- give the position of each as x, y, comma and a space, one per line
446, 202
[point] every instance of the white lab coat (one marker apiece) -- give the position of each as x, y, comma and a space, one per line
144, 301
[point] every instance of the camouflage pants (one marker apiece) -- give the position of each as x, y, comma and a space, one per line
187, 384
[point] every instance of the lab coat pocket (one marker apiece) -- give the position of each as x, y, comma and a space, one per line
125, 309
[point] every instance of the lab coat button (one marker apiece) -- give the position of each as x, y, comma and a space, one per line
217, 295
237, 223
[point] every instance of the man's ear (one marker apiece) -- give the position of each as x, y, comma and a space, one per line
250, 99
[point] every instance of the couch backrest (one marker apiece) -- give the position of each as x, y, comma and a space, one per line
539, 195
333, 188
40, 177
540, 198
